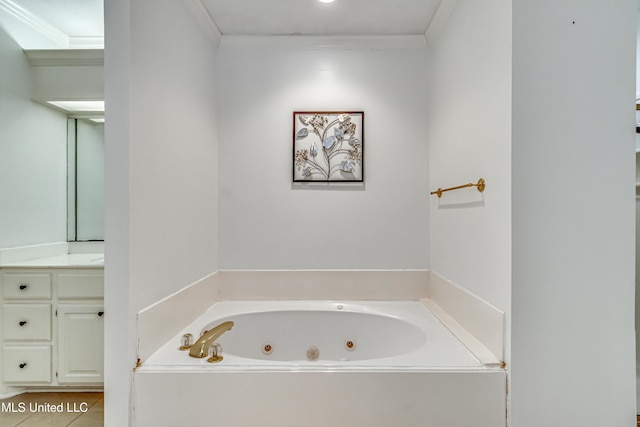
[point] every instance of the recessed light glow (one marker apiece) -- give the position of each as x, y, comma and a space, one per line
326, 1
78, 106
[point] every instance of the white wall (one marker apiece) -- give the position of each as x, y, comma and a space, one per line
268, 223
161, 172
637, 213
33, 168
573, 213
637, 290
571, 206
469, 138
120, 328
572, 294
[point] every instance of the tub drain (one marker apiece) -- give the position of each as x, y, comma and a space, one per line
313, 353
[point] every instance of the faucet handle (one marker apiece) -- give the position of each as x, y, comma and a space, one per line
215, 353
186, 342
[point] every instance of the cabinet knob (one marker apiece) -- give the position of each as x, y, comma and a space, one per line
23, 365
23, 286
100, 313
22, 322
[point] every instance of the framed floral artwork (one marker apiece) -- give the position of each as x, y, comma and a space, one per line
328, 146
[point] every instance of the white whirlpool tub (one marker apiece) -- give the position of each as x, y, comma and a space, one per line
317, 363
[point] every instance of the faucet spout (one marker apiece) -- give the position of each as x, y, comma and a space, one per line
200, 348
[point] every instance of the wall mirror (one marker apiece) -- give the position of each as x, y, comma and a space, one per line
85, 179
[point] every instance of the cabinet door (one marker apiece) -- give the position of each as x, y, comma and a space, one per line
80, 343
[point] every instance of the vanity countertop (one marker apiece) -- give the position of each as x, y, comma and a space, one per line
90, 260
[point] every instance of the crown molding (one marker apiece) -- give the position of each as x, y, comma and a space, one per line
205, 20
19, 16
65, 57
326, 42
439, 20
86, 42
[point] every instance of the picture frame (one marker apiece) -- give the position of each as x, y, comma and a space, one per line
328, 146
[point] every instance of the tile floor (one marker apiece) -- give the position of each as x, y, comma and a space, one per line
37, 410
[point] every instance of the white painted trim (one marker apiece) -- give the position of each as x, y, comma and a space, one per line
206, 21
34, 23
86, 42
65, 57
439, 20
326, 42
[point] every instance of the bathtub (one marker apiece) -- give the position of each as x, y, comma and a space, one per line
318, 363
373, 364
382, 335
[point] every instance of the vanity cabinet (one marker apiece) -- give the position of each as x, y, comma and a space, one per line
52, 326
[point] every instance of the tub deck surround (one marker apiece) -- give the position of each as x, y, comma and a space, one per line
159, 322
484, 354
470, 318
320, 399
407, 368
376, 285
478, 324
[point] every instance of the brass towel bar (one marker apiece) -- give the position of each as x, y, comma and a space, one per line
479, 184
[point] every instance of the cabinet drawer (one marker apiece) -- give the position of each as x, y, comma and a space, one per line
26, 321
27, 364
27, 285
80, 285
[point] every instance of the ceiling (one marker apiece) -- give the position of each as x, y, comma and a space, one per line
311, 17
73, 24
76, 18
